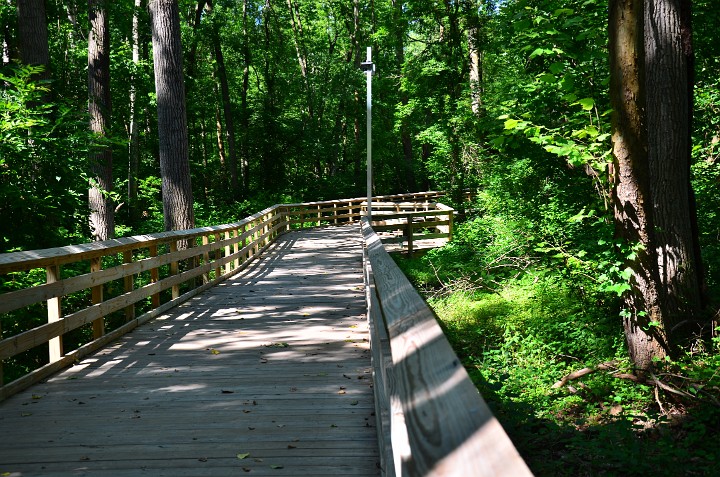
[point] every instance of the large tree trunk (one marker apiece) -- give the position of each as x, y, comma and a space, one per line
102, 221
632, 201
32, 29
669, 111
172, 115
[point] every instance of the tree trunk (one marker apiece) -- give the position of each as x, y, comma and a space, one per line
32, 29
172, 115
134, 139
245, 118
631, 188
669, 112
302, 56
8, 47
475, 59
232, 162
102, 221
405, 136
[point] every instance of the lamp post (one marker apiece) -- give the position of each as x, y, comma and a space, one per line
369, 68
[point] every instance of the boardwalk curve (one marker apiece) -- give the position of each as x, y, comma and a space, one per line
267, 373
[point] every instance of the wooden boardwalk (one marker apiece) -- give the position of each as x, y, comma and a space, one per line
266, 374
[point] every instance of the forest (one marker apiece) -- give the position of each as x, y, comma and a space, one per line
582, 286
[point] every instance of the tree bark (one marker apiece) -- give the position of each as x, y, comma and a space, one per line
669, 87
631, 188
172, 116
475, 54
102, 220
32, 29
134, 139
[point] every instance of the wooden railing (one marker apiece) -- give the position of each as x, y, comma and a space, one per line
431, 420
408, 222
149, 273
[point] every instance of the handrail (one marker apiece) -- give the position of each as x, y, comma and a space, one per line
431, 420
167, 267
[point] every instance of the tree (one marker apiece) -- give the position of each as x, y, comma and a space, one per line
32, 29
231, 168
669, 92
632, 200
102, 222
653, 203
172, 121
134, 127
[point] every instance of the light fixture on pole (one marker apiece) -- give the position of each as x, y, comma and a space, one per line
369, 68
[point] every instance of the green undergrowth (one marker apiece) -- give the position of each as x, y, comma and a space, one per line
521, 332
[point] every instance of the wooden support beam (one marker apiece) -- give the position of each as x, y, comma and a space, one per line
97, 297
154, 276
174, 269
54, 312
129, 285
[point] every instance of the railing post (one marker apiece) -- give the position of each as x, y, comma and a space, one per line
216, 254
206, 258
154, 276
54, 313
174, 269
97, 297
228, 265
451, 216
236, 248
128, 286
410, 236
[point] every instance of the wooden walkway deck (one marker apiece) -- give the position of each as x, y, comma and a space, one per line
266, 374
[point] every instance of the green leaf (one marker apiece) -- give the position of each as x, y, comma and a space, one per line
586, 103
244, 455
556, 68
511, 123
547, 78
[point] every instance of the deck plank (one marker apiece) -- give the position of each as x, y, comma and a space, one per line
273, 363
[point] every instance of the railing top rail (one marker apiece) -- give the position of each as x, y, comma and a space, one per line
17, 261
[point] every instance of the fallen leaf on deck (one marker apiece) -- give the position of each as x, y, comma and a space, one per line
214, 351
243, 455
277, 345
276, 466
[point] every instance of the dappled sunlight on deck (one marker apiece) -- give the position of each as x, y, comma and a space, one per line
273, 363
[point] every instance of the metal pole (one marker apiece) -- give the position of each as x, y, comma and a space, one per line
369, 135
